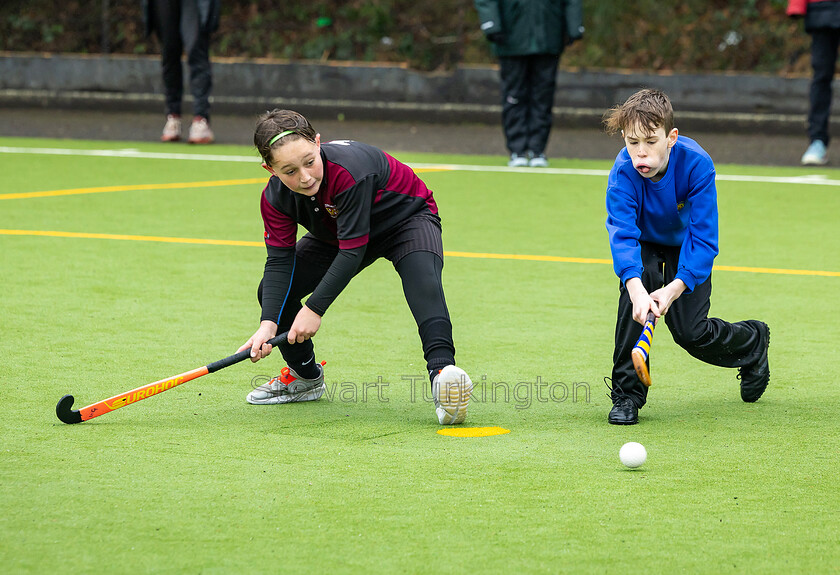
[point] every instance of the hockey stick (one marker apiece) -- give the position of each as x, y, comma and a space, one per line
65, 412
641, 351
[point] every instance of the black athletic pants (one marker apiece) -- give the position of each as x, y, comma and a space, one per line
179, 29
420, 272
824, 42
708, 339
528, 84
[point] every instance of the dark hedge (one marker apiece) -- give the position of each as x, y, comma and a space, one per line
691, 35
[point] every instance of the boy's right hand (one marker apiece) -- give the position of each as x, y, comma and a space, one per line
257, 342
642, 302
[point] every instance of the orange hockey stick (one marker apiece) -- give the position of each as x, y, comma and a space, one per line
65, 412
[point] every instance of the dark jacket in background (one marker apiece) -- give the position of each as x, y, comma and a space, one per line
819, 14
525, 27
208, 10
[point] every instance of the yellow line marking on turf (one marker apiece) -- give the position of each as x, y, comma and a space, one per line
472, 255
131, 238
141, 187
473, 431
132, 188
776, 271
527, 257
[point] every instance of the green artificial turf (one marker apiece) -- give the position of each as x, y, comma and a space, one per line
197, 481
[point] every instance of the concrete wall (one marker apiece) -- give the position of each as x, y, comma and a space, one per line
469, 94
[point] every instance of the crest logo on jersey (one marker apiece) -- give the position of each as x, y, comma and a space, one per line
331, 210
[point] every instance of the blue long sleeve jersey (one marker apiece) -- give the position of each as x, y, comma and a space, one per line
678, 210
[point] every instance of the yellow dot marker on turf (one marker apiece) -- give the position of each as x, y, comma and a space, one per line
473, 431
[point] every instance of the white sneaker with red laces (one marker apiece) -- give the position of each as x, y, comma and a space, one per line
200, 132
172, 129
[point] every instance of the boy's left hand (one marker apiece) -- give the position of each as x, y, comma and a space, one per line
306, 325
666, 295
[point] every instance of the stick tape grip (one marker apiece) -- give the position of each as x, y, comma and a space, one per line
243, 355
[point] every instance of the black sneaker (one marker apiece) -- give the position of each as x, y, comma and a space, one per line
754, 378
624, 412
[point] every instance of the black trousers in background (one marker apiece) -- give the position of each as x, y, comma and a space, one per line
824, 43
528, 84
711, 340
179, 29
417, 254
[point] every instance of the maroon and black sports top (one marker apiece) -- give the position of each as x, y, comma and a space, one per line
364, 193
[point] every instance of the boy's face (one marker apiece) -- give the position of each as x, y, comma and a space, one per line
298, 164
650, 151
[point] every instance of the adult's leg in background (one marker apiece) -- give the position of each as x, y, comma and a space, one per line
543, 82
197, 46
166, 15
515, 102
824, 43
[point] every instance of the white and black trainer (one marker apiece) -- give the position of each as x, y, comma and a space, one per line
288, 387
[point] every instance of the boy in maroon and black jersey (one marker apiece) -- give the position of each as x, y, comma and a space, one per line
358, 204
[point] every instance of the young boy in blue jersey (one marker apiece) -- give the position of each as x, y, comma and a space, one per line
663, 229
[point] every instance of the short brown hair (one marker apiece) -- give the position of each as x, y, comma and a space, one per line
649, 109
276, 122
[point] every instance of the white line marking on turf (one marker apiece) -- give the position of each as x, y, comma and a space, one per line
505, 169
814, 179
128, 153
808, 179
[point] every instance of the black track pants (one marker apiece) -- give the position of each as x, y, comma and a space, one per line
711, 340
528, 84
